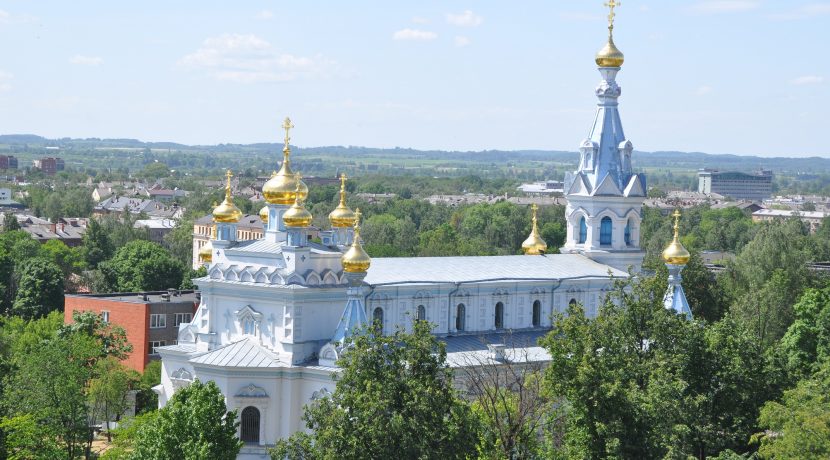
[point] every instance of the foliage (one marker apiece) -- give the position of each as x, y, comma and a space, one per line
195, 424
180, 241
97, 244
10, 222
187, 281
26, 439
393, 399
108, 391
111, 338
799, 425
806, 344
125, 435
39, 289
141, 266
146, 400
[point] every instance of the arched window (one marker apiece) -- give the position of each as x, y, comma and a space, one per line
537, 313
459, 317
605, 231
628, 233
572, 302
583, 230
249, 326
421, 313
250, 425
377, 319
499, 316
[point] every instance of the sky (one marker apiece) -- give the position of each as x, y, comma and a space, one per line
747, 77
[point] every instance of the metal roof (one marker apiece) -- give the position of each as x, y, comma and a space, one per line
415, 270
244, 353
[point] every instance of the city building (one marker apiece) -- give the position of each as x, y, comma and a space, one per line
69, 230
8, 162
49, 165
152, 208
736, 185
156, 228
150, 319
277, 312
544, 188
813, 219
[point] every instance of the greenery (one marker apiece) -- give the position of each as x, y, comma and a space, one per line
141, 266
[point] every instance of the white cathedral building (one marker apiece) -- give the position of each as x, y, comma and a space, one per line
274, 312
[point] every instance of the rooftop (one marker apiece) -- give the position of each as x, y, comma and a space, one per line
144, 297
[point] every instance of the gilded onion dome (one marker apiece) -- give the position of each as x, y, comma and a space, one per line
675, 253
610, 55
342, 216
356, 260
263, 214
282, 187
534, 244
227, 212
206, 251
297, 215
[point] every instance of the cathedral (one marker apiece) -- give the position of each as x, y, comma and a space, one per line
275, 312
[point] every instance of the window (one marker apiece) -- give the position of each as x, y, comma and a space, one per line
605, 231
183, 318
628, 233
105, 316
572, 302
250, 425
249, 326
537, 313
421, 313
499, 323
377, 319
154, 344
583, 230
459, 317
158, 321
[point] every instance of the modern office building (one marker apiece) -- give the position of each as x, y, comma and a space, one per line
737, 185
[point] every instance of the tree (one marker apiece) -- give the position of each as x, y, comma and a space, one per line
806, 344
142, 266
111, 338
393, 399
97, 244
26, 439
10, 222
799, 425
39, 289
195, 424
68, 259
180, 241
146, 400
108, 391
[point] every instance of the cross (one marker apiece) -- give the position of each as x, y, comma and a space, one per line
533, 208
299, 178
676, 216
357, 215
611, 4
229, 174
342, 181
287, 125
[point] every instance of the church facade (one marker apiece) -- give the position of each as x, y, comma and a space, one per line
276, 312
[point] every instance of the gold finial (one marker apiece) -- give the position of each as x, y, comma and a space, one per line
227, 212
342, 216
357, 215
534, 244
611, 14
297, 215
675, 253
228, 176
356, 260
287, 126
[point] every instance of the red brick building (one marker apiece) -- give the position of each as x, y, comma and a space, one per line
151, 319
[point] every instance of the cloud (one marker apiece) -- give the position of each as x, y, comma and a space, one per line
725, 6
805, 11
86, 60
461, 41
5, 81
414, 34
807, 80
703, 90
4, 17
465, 19
265, 15
420, 20
251, 59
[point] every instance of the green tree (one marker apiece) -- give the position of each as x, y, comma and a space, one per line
10, 222
146, 400
111, 338
142, 266
39, 289
180, 241
195, 424
806, 344
108, 391
26, 439
393, 399
69, 260
97, 244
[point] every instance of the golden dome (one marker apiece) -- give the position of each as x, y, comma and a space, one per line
610, 55
356, 260
342, 216
534, 244
281, 188
675, 253
227, 212
263, 214
206, 251
297, 215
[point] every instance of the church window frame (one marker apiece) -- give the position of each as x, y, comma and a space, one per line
377, 319
420, 313
498, 320
536, 317
249, 426
460, 317
573, 302
606, 228
627, 232
583, 230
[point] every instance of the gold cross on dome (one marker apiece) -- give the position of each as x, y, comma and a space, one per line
287, 126
342, 181
676, 216
228, 175
611, 4
534, 208
357, 215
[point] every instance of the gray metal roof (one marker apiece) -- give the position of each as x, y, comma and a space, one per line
413, 270
519, 347
244, 353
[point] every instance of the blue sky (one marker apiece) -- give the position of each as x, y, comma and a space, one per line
736, 76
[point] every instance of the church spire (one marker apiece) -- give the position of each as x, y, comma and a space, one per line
676, 258
534, 244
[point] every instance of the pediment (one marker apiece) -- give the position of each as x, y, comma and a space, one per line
635, 187
579, 186
607, 187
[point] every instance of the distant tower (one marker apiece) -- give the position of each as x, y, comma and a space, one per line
281, 190
604, 195
676, 258
534, 244
356, 263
